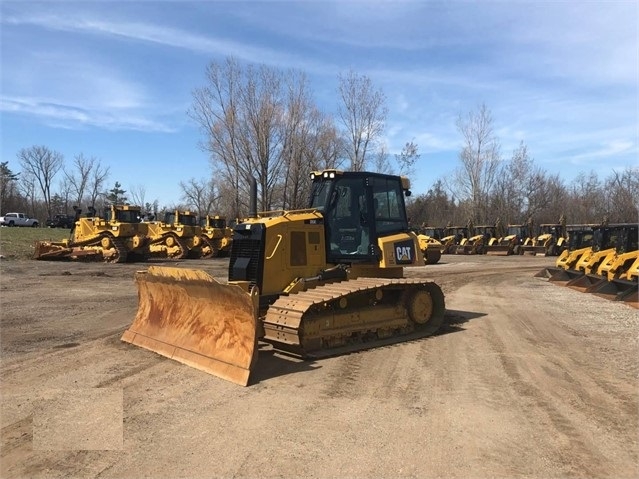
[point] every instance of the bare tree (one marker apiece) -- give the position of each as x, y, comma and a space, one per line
302, 133
587, 199
97, 179
79, 175
479, 159
362, 112
200, 195
623, 201
43, 164
261, 122
407, 158
138, 194
381, 162
27, 188
327, 145
240, 112
64, 192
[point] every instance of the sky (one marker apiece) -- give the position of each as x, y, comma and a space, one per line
114, 79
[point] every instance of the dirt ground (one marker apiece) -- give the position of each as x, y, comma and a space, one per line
527, 379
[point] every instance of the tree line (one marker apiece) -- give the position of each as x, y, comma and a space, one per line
262, 122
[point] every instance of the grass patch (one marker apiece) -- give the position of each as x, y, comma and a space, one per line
17, 243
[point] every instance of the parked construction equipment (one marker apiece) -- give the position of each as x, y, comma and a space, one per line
177, 236
606, 267
217, 237
551, 241
431, 248
484, 236
432, 232
454, 235
117, 236
311, 282
517, 236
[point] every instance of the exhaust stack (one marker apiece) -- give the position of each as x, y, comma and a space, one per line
253, 199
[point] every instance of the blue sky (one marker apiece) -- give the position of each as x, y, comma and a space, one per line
114, 79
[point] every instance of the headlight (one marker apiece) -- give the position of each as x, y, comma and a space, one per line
114, 228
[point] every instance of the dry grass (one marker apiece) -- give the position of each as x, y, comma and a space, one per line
17, 243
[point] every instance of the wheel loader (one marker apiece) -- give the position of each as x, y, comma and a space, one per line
216, 237
178, 236
311, 283
117, 236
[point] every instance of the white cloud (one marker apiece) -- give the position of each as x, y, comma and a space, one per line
72, 117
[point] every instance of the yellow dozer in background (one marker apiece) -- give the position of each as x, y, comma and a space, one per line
217, 237
117, 236
311, 283
178, 236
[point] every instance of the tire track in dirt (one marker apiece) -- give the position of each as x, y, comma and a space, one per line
562, 402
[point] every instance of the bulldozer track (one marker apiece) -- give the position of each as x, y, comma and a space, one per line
215, 252
120, 246
349, 316
184, 249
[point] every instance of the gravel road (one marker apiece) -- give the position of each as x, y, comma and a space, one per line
526, 379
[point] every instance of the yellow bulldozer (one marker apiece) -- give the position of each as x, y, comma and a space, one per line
216, 236
116, 236
177, 236
315, 282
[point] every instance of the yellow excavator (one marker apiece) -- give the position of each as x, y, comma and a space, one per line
315, 282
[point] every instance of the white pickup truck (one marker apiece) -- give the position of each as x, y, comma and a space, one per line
18, 219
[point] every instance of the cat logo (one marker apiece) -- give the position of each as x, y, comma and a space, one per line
404, 252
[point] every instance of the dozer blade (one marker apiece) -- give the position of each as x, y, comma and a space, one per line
48, 250
186, 315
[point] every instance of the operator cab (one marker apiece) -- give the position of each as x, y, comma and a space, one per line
358, 208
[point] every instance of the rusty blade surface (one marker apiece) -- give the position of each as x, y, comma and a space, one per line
186, 315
